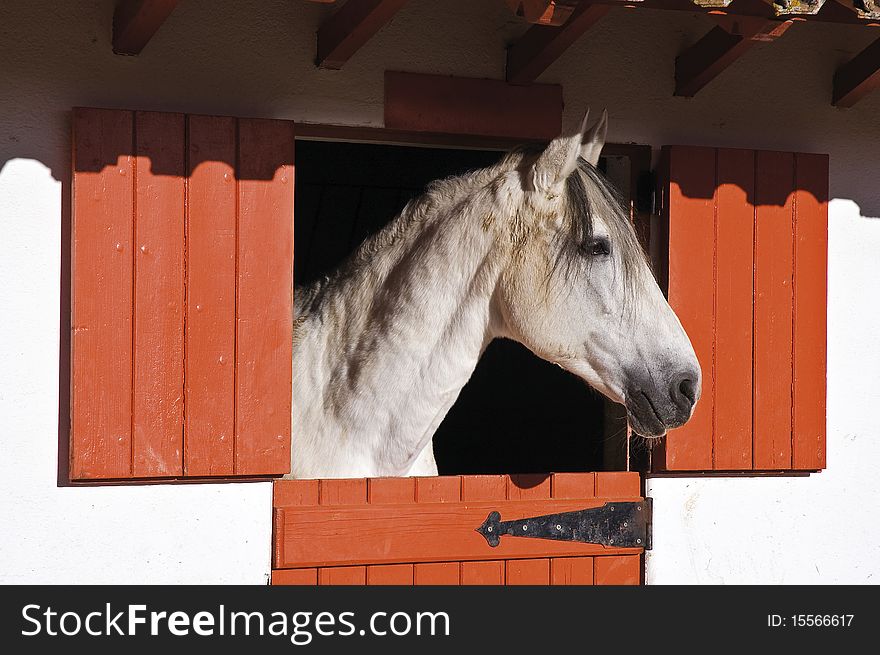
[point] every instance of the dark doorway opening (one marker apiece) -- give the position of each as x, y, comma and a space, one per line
518, 413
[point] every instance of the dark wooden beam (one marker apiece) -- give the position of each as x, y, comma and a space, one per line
858, 77
544, 12
444, 104
346, 31
711, 55
136, 21
541, 45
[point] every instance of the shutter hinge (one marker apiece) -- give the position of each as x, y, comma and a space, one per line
614, 524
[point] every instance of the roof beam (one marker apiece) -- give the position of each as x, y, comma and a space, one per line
136, 21
544, 12
723, 45
541, 45
346, 31
858, 77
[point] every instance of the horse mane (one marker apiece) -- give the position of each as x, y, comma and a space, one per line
588, 192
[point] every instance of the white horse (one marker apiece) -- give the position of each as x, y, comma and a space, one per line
536, 249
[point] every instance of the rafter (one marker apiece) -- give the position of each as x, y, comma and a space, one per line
541, 45
136, 21
544, 12
346, 31
858, 77
723, 45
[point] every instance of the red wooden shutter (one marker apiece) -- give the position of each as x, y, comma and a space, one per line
747, 259
182, 295
422, 531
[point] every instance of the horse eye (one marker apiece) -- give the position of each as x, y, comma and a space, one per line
598, 247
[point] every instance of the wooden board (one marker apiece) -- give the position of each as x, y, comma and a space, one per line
209, 443
182, 295
758, 323
692, 292
159, 297
422, 531
461, 105
102, 298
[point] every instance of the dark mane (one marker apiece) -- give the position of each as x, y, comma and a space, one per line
589, 193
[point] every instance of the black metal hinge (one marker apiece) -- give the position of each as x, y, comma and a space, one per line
614, 524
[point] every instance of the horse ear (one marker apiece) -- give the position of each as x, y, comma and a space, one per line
594, 140
558, 160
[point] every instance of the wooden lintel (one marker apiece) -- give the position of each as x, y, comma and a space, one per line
723, 45
345, 32
858, 77
541, 45
136, 21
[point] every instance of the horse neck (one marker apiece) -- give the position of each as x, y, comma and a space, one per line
395, 337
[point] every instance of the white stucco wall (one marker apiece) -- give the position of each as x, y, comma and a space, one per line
254, 58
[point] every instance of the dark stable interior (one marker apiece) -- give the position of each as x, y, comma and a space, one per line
518, 413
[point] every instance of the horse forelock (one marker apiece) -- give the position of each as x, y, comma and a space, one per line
588, 195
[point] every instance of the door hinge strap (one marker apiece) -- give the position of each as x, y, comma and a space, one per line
614, 524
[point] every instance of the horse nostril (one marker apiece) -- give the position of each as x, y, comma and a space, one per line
688, 389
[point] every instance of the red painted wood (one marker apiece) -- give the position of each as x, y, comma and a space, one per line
136, 21
774, 265
209, 441
810, 311
390, 574
528, 572
343, 575
407, 533
571, 571
345, 32
618, 485
291, 493
385, 491
574, 485
438, 573
160, 176
483, 488
295, 492
101, 307
445, 104
734, 262
579, 570
339, 492
691, 220
264, 301
295, 577
617, 570
438, 490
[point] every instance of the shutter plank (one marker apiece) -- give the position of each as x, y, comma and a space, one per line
483, 487
445, 489
390, 490
528, 571
210, 310
774, 184
342, 492
572, 570
733, 309
617, 570
264, 329
691, 207
101, 308
810, 311
158, 295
